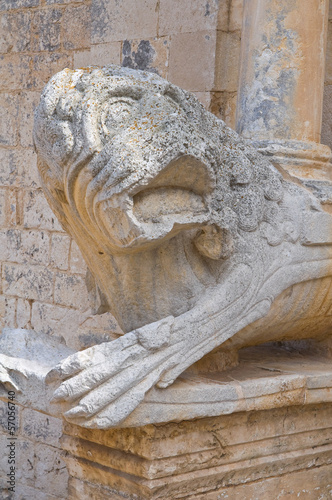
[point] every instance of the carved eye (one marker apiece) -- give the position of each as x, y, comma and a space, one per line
115, 115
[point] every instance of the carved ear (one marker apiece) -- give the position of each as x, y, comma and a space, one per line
214, 242
97, 299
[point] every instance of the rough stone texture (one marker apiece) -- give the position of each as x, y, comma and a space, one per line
191, 16
281, 70
193, 49
40, 471
246, 456
280, 98
162, 190
24, 73
117, 20
37, 39
100, 54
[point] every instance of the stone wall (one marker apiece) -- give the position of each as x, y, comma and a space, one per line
42, 283
195, 46
193, 43
41, 473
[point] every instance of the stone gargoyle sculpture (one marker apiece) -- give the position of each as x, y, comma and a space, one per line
194, 241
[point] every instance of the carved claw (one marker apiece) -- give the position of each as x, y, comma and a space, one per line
108, 381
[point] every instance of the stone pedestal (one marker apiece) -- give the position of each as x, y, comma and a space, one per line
278, 446
281, 453
281, 82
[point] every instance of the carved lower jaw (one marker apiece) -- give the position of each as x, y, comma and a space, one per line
174, 201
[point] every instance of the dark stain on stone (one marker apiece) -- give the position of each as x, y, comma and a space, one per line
207, 9
141, 59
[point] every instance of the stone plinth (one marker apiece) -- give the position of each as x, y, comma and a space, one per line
278, 446
280, 453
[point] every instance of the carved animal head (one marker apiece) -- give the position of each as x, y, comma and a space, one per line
128, 161
138, 160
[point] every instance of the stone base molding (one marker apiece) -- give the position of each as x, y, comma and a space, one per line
283, 453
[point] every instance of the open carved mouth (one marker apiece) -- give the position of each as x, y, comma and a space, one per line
179, 190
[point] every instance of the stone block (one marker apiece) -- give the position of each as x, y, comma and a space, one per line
257, 454
8, 119
192, 60
82, 489
227, 61
116, 20
46, 30
4, 418
7, 312
25, 458
45, 318
8, 207
310, 484
77, 328
23, 313
28, 103
191, 16
102, 322
59, 321
42, 428
235, 15
18, 168
17, 4
37, 213
204, 98
97, 329
27, 246
27, 282
76, 27
60, 251
44, 65
70, 290
50, 470
82, 59
77, 263
15, 33
27, 493
14, 70
99, 55
149, 55
11, 208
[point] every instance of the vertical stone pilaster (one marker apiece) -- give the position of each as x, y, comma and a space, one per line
281, 82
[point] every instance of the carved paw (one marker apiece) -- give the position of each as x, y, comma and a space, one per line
106, 382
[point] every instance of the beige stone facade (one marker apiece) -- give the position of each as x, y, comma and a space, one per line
196, 45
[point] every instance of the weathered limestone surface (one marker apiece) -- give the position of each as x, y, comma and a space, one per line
281, 82
274, 454
157, 191
36, 40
